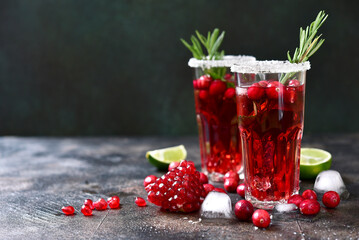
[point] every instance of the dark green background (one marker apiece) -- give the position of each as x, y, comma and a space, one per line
118, 68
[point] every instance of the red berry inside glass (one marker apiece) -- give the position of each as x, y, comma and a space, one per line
241, 190
274, 90
296, 199
140, 202
243, 210
149, 179
100, 204
331, 199
229, 93
309, 207
256, 92
217, 87
68, 210
309, 194
261, 218
86, 210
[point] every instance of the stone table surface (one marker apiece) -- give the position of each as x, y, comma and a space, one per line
40, 175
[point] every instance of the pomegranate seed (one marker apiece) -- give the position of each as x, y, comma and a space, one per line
331, 199
229, 93
274, 90
203, 95
89, 203
261, 218
100, 204
293, 83
173, 165
221, 190
309, 207
86, 210
228, 76
241, 190
208, 188
140, 202
309, 194
68, 210
113, 202
296, 199
203, 179
149, 179
195, 85
256, 92
203, 82
217, 87
230, 184
231, 174
243, 210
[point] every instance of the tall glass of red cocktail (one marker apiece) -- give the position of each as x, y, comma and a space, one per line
216, 114
270, 109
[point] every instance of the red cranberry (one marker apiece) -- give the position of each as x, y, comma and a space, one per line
140, 202
241, 190
230, 184
255, 92
274, 90
195, 85
217, 87
309, 207
289, 95
89, 203
296, 199
203, 95
203, 82
261, 218
203, 179
149, 179
263, 83
221, 190
173, 165
86, 210
293, 83
243, 210
113, 202
68, 210
208, 188
231, 174
229, 93
331, 199
228, 76
100, 204
309, 194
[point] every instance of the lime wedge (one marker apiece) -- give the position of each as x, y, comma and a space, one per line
161, 158
313, 161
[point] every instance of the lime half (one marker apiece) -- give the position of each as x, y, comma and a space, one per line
313, 161
161, 158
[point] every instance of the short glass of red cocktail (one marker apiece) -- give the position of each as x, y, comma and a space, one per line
270, 108
216, 113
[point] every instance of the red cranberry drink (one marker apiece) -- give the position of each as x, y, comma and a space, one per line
216, 110
270, 97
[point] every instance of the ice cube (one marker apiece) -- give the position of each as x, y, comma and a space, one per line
217, 205
285, 208
330, 180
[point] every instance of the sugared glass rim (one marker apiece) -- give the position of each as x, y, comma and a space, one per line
274, 66
227, 61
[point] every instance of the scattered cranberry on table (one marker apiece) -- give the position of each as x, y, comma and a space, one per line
331, 199
309, 207
241, 190
296, 199
243, 210
261, 218
230, 184
231, 174
68, 210
309, 194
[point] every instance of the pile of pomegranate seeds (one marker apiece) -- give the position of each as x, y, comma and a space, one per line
178, 190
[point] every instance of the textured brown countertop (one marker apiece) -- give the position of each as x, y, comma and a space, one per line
40, 175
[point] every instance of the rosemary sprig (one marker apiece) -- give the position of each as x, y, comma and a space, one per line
211, 44
309, 43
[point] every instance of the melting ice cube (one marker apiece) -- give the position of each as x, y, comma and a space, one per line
330, 180
216, 205
285, 208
